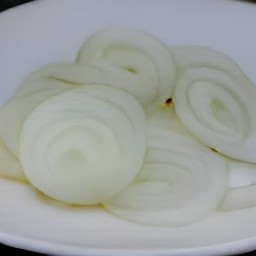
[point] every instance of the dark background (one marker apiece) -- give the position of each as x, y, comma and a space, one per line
6, 250
5, 4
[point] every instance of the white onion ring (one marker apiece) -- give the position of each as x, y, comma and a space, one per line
180, 182
85, 145
75, 74
137, 55
189, 56
215, 105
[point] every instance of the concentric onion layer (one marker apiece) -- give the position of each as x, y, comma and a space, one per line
179, 183
137, 56
218, 110
215, 100
85, 145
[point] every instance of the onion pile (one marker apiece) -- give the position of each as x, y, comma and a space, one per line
155, 134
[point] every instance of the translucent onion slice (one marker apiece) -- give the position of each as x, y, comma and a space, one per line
180, 182
216, 106
138, 56
9, 164
189, 56
85, 145
74, 74
14, 111
242, 186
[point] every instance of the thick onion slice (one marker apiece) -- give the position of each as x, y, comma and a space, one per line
9, 164
138, 56
189, 56
242, 186
85, 145
74, 74
215, 105
180, 182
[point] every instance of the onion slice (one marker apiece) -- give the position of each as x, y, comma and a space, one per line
216, 105
179, 183
138, 56
85, 145
239, 198
75, 74
242, 186
189, 56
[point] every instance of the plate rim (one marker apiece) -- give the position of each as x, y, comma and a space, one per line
42, 246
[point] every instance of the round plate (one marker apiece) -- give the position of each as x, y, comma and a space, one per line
47, 31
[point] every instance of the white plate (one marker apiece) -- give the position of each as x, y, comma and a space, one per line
50, 31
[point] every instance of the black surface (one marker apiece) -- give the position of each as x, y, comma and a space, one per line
10, 251
5, 4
